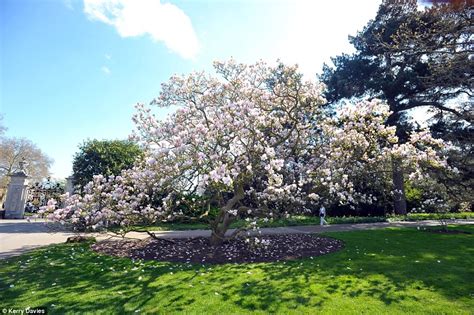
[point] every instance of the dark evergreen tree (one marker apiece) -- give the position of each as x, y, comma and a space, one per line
411, 58
105, 157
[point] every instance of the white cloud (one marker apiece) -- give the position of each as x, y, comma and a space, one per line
163, 22
316, 30
108, 57
105, 70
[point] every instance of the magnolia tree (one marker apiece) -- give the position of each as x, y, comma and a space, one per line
254, 141
358, 150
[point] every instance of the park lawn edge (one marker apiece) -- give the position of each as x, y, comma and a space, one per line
293, 287
307, 220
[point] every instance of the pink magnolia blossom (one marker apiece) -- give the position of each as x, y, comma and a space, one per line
256, 140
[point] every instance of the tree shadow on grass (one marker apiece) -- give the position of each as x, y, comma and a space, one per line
387, 266
72, 284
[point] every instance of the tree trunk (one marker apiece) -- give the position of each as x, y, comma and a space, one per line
218, 233
399, 200
224, 219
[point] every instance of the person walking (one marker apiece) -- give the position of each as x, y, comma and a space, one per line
322, 215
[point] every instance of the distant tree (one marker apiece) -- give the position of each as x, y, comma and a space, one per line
105, 157
13, 150
444, 34
459, 130
2, 127
410, 58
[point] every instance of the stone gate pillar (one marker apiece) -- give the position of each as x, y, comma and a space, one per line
70, 185
16, 196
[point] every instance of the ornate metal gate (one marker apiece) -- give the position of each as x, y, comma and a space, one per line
40, 193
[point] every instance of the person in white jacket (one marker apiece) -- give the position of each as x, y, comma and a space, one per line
322, 215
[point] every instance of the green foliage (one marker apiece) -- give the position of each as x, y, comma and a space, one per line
435, 216
414, 195
402, 56
460, 131
106, 157
414, 59
193, 208
391, 271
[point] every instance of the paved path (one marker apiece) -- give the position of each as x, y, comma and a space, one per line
309, 229
18, 236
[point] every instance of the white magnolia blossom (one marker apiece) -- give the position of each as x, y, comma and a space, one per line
256, 141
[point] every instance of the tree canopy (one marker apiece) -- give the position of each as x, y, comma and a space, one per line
106, 157
255, 142
411, 58
13, 150
408, 57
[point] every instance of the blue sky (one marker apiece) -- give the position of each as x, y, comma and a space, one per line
72, 70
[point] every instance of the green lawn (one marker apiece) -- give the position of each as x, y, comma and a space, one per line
379, 271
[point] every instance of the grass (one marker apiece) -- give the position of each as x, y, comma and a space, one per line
390, 271
309, 220
436, 216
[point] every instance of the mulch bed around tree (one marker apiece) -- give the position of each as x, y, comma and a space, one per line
199, 250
